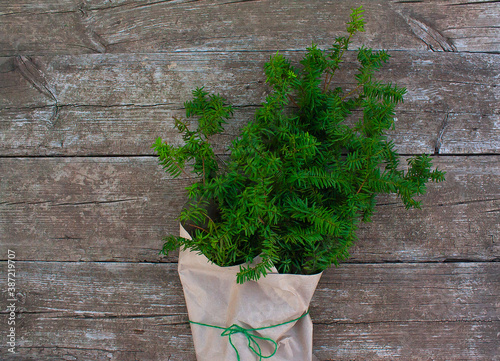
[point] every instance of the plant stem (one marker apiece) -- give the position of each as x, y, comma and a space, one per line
352, 91
293, 101
197, 227
204, 175
327, 84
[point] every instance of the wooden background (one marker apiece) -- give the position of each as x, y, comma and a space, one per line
86, 87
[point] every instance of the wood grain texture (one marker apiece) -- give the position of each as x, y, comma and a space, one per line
118, 104
105, 208
130, 130
435, 82
129, 311
69, 27
414, 341
87, 85
119, 209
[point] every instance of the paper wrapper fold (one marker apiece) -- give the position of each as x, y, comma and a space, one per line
213, 297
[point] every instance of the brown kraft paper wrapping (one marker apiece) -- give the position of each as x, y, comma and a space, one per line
214, 298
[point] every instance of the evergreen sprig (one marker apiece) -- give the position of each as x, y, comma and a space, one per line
299, 179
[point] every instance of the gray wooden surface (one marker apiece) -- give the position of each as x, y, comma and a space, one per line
86, 87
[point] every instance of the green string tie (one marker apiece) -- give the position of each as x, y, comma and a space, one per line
253, 345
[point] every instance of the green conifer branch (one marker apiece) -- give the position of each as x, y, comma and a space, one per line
298, 182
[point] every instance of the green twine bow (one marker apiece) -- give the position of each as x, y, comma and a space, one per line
253, 345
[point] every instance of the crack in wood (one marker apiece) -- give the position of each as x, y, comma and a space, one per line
84, 8
389, 204
23, 202
462, 202
164, 262
417, 262
434, 40
472, 27
174, 324
40, 13
131, 6
51, 203
400, 205
75, 348
465, 82
95, 41
344, 322
35, 76
164, 1
175, 106
439, 140
237, 2
474, 3
100, 316
66, 237
91, 106
94, 202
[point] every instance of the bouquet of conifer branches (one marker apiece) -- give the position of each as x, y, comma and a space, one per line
299, 178
287, 203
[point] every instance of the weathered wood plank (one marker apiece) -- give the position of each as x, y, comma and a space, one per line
110, 104
456, 83
47, 27
117, 130
447, 217
415, 292
114, 209
357, 292
88, 208
413, 341
123, 130
130, 130
136, 311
